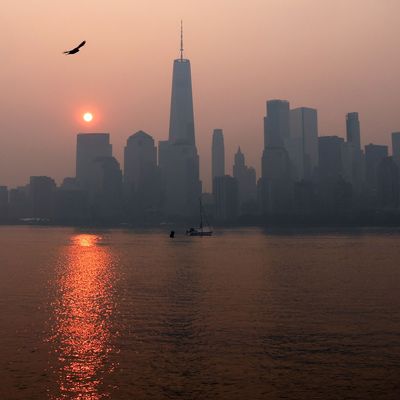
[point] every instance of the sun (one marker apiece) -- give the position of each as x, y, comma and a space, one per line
87, 116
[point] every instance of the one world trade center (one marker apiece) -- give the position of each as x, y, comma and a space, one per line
178, 157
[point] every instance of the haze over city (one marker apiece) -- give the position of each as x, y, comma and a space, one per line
335, 56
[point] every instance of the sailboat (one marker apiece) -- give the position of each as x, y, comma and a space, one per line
201, 230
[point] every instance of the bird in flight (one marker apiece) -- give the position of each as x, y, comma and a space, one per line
76, 49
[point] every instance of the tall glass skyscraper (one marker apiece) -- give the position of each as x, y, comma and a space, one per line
276, 184
304, 142
218, 154
276, 123
353, 135
353, 130
178, 157
181, 122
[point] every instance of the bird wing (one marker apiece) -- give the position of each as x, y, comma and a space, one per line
76, 49
82, 44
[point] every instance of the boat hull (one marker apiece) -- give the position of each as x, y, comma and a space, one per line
209, 233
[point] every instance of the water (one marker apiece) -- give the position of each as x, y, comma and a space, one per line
246, 314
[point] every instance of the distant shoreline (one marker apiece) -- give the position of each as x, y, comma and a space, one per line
378, 220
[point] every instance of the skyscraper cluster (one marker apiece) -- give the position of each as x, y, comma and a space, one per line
304, 177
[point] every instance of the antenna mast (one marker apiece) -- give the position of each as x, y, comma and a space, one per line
181, 40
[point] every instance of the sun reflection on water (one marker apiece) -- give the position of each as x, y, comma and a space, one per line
82, 311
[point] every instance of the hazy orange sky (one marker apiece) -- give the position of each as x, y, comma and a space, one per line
334, 55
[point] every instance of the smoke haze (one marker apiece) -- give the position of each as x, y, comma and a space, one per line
336, 56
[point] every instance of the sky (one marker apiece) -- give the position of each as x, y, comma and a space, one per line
337, 56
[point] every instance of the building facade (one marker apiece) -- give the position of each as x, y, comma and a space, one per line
303, 141
178, 156
89, 147
217, 154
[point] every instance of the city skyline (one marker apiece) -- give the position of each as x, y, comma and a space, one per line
392, 147
304, 176
39, 135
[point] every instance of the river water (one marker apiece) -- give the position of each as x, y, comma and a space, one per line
246, 314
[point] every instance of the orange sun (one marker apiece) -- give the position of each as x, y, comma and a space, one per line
88, 116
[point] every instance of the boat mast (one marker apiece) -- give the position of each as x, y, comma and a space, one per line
201, 216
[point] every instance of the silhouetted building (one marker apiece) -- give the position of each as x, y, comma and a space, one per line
303, 143
396, 147
246, 178
71, 202
178, 157
388, 183
42, 197
18, 202
374, 154
353, 135
208, 204
69, 183
226, 198
305, 197
335, 190
217, 154
89, 147
276, 123
181, 122
3, 202
141, 176
331, 156
107, 203
335, 196
179, 165
353, 130
348, 162
277, 191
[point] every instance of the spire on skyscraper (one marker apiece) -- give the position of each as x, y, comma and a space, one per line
181, 117
239, 157
181, 40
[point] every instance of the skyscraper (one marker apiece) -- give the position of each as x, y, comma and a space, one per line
396, 147
246, 179
353, 130
178, 157
276, 123
374, 154
354, 142
331, 165
3, 202
218, 154
140, 159
181, 122
335, 190
70, 202
89, 147
107, 199
277, 188
141, 181
388, 183
226, 197
41, 196
239, 162
18, 202
303, 150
